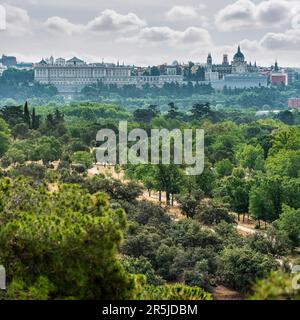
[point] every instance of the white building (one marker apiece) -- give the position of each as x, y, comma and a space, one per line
245, 80
74, 74
211, 76
2, 69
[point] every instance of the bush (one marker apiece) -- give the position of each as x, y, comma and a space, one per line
239, 268
174, 292
210, 212
276, 286
142, 266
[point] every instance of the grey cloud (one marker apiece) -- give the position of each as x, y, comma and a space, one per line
17, 21
61, 25
289, 40
185, 12
110, 20
107, 21
162, 34
245, 14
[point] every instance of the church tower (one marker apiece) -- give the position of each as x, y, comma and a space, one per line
209, 62
239, 65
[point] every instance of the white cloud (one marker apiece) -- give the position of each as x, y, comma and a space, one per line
177, 13
110, 20
191, 35
245, 14
17, 21
289, 40
107, 21
2, 18
61, 25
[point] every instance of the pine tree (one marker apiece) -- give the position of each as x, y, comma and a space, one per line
27, 114
34, 123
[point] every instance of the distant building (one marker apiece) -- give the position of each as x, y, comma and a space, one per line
278, 78
211, 76
238, 65
74, 74
245, 80
9, 61
292, 75
239, 74
225, 60
294, 103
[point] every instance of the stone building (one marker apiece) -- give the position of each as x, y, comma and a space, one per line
74, 74
239, 65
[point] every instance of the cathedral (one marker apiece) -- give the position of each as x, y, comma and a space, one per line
238, 66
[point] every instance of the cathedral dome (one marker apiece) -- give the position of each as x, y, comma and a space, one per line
239, 56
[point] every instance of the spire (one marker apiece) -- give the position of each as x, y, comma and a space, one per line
209, 59
276, 65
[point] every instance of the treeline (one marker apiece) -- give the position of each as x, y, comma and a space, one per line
20, 85
99, 89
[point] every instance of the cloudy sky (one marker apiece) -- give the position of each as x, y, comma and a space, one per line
144, 32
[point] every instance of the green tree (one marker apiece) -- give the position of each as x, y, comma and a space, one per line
48, 149
200, 110
251, 157
4, 137
83, 158
276, 286
239, 268
61, 245
224, 168
289, 223
190, 201
266, 198
27, 118
211, 212
20, 131
173, 111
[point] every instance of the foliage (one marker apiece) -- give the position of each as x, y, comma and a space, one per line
174, 292
240, 267
211, 212
289, 224
83, 158
61, 245
276, 286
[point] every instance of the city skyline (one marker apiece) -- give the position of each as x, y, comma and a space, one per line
151, 32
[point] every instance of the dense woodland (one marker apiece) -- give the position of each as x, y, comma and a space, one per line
66, 234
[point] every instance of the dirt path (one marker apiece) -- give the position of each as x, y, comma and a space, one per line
223, 293
244, 228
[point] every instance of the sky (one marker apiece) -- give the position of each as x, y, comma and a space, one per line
149, 32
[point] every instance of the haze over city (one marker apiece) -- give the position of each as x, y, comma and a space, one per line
152, 32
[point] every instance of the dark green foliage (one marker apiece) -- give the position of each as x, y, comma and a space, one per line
211, 212
142, 266
27, 118
61, 245
239, 268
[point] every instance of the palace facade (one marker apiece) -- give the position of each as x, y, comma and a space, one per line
74, 74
